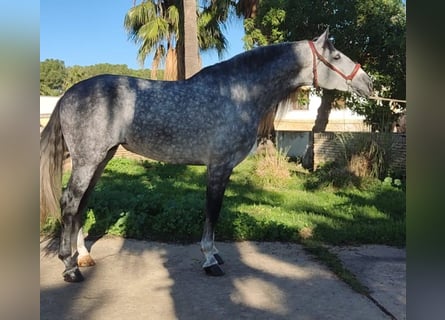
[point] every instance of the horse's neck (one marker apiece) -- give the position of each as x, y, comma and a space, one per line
271, 80
261, 78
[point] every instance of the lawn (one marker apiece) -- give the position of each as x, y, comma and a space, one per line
157, 201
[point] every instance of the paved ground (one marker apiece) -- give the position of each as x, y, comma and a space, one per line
151, 280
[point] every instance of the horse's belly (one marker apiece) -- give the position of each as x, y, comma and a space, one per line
179, 153
190, 142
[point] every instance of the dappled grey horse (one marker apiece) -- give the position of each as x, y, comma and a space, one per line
210, 119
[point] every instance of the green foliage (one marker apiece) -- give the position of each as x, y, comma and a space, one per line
272, 169
267, 26
52, 76
210, 35
366, 154
364, 157
331, 174
152, 200
379, 116
55, 78
79, 73
254, 36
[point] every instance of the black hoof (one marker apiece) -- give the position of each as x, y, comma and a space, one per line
218, 258
214, 270
73, 276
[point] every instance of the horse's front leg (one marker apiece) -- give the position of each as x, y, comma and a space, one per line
213, 260
217, 178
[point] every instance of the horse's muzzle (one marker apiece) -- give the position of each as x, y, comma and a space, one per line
362, 84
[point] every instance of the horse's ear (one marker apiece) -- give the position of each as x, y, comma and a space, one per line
321, 40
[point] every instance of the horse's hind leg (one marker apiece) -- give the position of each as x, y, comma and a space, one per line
84, 258
217, 179
73, 204
71, 219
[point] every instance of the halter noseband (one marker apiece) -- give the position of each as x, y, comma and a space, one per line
316, 54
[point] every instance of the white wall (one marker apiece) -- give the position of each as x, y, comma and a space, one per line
292, 143
311, 114
47, 104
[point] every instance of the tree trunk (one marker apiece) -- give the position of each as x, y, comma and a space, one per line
191, 49
155, 64
327, 101
248, 8
171, 71
321, 122
180, 63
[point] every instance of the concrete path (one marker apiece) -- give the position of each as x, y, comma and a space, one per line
151, 280
383, 270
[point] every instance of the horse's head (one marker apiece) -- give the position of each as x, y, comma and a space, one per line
334, 70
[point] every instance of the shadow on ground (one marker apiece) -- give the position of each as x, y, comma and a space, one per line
152, 280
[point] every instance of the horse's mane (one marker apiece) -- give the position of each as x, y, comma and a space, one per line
249, 59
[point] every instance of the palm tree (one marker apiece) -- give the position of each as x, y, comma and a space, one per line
166, 27
154, 26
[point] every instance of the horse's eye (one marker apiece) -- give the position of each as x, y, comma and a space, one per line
337, 56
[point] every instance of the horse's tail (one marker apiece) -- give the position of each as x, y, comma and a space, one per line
52, 153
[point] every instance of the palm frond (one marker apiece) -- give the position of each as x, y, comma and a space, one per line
154, 31
210, 35
173, 19
139, 15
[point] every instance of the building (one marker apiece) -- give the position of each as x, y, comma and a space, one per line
294, 121
47, 105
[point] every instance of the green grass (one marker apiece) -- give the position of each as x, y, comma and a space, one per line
156, 201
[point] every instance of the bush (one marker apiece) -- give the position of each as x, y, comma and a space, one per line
272, 168
366, 155
331, 174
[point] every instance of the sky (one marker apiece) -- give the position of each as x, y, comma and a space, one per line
89, 32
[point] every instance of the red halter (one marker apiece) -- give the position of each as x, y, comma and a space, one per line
316, 54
